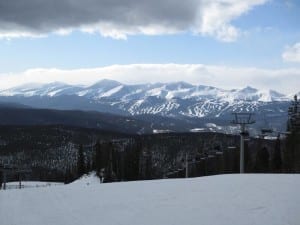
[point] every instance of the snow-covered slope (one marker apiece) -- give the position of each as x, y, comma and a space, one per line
218, 200
166, 99
90, 179
113, 89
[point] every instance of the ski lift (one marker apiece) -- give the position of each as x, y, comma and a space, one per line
266, 130
245, 134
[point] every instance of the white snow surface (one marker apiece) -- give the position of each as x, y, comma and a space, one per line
87, 180
30, 184
216, 200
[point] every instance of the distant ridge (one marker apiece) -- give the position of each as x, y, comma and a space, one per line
178, 100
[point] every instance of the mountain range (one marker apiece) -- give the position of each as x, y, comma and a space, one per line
177, 100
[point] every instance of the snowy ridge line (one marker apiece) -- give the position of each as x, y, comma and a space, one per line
177, 99
114, 89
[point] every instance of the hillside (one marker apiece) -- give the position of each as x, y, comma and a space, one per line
85, 119
15, 114
219, 200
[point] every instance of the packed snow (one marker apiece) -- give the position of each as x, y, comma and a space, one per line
216, 200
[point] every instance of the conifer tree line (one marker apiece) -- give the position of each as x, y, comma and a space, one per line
111, 164
149, 157
292, 153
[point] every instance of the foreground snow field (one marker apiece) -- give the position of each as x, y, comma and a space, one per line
217, 200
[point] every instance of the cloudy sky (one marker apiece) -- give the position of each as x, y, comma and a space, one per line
223, 43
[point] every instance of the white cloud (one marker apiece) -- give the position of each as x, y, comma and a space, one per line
292, 53
121, 18
215, 17
283, 80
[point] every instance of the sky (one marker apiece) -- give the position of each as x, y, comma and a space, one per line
222, 43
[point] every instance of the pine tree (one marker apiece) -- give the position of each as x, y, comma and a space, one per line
88, 165
248, 161
1, 179
292, 152
109, 164
294, 116
97, 160
262, 160
80, 162
277, 160
132, 160
68, 176
148, 172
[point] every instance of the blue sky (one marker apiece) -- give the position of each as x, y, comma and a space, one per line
266, 31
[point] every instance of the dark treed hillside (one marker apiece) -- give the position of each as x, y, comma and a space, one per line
52, 152
18, 114
10, 115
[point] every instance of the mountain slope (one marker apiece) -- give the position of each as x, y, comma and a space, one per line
177, 100
15, 114
102, 121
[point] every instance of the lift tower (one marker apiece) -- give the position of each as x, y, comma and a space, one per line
243, 119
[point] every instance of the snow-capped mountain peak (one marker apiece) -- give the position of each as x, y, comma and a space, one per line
105, 83
167, 99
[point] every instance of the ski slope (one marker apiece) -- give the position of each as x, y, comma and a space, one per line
216, 200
